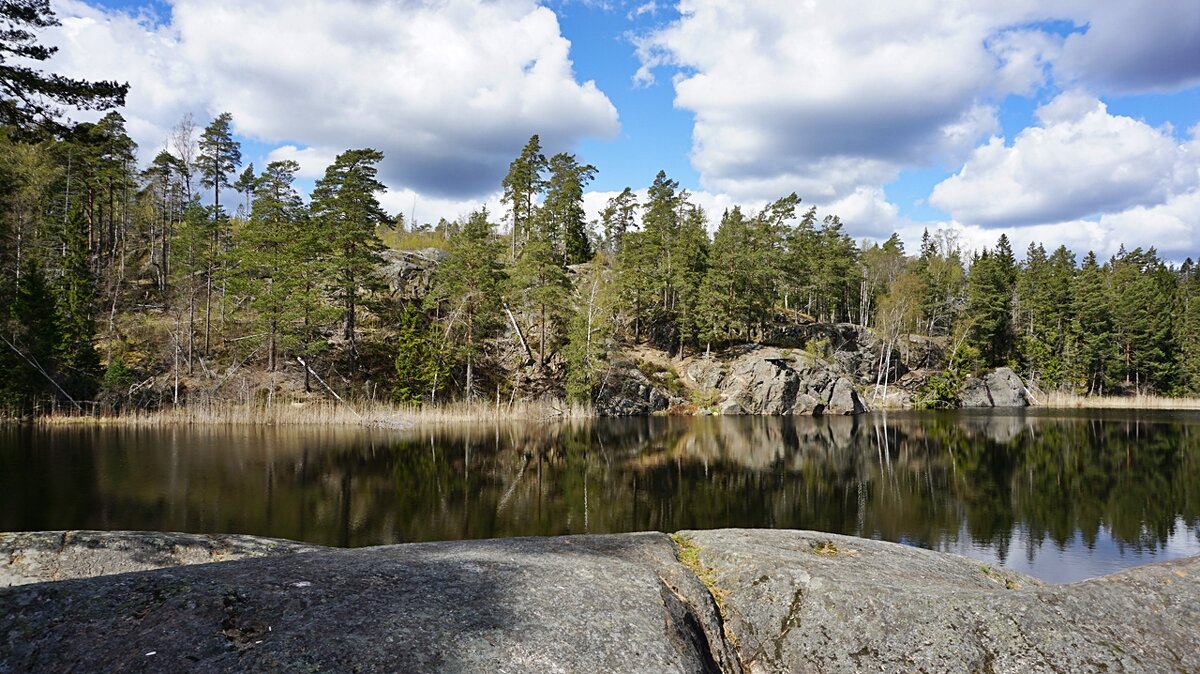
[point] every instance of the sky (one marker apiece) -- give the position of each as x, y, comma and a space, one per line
1072, 122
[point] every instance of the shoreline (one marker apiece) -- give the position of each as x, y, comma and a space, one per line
386, 415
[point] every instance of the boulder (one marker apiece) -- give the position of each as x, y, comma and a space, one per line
773, 381
705, 373
1001, 388
764, 384
843, 399
1006, 388
731, 408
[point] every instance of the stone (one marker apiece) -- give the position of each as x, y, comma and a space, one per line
34, 557
625, 391
800, 601
974, 393
1000, 388
574, 604
844, 399
1006, 388
757, 601
409, 273
731, 408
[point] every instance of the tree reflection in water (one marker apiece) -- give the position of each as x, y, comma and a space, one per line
941, 480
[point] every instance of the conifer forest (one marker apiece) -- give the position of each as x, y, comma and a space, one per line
137, 281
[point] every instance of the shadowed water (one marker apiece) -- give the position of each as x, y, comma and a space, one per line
1062, 495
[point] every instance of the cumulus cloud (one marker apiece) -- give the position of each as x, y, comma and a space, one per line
449, 90
1136, 46
834, 99
832, 96
1079, 161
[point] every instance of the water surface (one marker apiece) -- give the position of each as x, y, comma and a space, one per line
1061, 495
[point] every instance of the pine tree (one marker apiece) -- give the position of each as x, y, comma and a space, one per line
522, 185
345, 204
539, 281
619, 216
266, 257
565, 222
31, 97
219, 157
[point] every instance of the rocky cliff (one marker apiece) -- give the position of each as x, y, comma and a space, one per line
713, 601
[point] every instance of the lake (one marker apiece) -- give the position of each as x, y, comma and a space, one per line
1062, 495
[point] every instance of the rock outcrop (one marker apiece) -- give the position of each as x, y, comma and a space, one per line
1001, 388
625, 391
409, 273
756, 380
754, 601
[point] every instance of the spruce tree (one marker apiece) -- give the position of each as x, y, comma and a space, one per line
1187, 329
1091, 331
418, 362
989, 310
465, 292
78, 363
590, 333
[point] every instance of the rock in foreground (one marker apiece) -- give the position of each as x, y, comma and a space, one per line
791, 601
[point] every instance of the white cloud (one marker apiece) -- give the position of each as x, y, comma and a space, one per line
449, 90
1079, 161
311, 160
834, 99
837, 95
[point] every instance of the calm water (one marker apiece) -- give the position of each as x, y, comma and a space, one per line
1062, 496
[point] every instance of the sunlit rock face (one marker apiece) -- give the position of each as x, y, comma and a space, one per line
1001, 388
723, 600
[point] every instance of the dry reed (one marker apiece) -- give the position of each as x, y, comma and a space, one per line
331, 413
1135, 402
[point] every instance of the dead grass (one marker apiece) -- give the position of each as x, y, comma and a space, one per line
331, 413
1137, 402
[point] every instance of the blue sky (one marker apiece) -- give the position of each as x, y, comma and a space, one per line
1068, 122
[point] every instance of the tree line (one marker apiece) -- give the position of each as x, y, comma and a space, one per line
149, 283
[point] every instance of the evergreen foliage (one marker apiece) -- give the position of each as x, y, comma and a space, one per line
105, 268
29, 98
349, 214
466, 293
